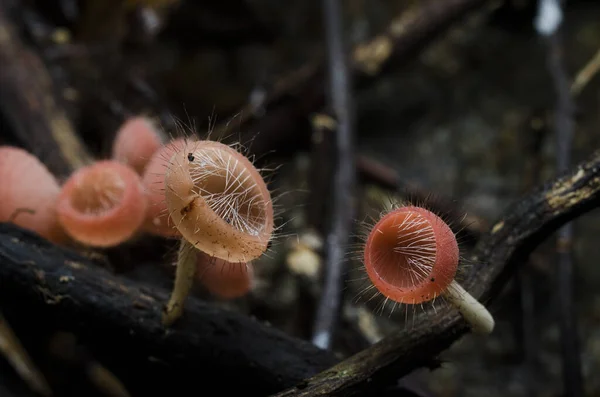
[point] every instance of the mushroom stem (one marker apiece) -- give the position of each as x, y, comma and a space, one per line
473, 312
184, 279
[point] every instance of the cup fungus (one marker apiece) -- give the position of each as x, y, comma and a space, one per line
219, 201
102, 204
157, 220
29, 193
136, 141
224, 279
411, 256
221, 206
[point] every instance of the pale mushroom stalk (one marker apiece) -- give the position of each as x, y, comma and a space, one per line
184, 280
411, 256
220, 204
476, 314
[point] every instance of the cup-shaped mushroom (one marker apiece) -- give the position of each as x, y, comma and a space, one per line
29, 193
411, 255
103, 204
219, 201
135, 142
157, 220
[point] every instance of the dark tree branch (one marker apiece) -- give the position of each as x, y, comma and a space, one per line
524, 225
343, 177
300, 93
586, 74
468, 229
120, 321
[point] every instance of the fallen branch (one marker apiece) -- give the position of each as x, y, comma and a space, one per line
119, 320
468, 228
300, 93
586, 74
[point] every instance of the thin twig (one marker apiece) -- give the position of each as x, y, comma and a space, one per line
66, 347
564, 128
14, 352
585, 75
343, 176
299, 93
372, 171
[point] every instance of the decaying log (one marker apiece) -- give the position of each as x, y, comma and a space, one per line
120, 321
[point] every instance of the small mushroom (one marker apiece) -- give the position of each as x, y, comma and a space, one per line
411, 256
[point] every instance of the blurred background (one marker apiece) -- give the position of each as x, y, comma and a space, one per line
460, 113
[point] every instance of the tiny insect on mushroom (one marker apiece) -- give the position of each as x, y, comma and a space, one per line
103, 204
411, 256
219, 201
222, 207
29, 193
135, 142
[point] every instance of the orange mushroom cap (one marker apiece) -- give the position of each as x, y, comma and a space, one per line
135, 143
411, 255
28, 186
219, 201
102, 204
157, 220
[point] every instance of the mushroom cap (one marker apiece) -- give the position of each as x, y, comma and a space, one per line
157, 220
219, 201
411, 255
29, 186
102, 204
135, 143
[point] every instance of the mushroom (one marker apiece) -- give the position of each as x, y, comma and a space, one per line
411, 256
103, 204
222, 207
29, 193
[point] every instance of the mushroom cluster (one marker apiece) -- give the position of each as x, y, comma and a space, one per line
211, 197
205, 193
